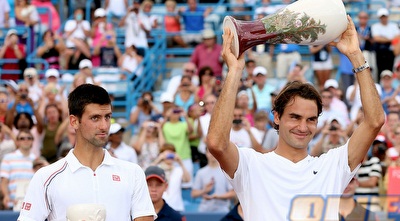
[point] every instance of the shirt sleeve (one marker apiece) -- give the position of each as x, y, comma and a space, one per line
35, 205
141, 202
69, 25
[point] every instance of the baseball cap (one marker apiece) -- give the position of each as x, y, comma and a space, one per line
85, 63
115, 128
100, 12
331, 83
52, 73
166, 97
155, 172
260, 70
12, 84
382, 12
208, 33
380, 138
241, 93
12, 32
30, 72
386, 73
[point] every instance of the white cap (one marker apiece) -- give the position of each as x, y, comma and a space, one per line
386, 73
382, 12
52, 73
338, 119
12, 32
241, 93
115, 128
100, 12
92, 212
85, 63
331, 83
30, 72
259, 70
166, 97
208, 33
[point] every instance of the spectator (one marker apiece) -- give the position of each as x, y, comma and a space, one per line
27, 15
368, 178
116, 10
321, 63
194, 113
350, 209
45, 19
167, 102
242, 102
5, 12
337, 103
117, 147
354, 100
53, 119
247, 76
366, 40
260, 131
189, 69
383, 33
23, 102
85, 68
99, 31
109, 53
177, 133
193, 20
333, 135
206, 84
240, 133
12, 49
3, 104
388, 129
137, 26
52, 50
287, 56
158, 185
211, 184
176, 174
185, 95
172, 24
149, 143
388, 92
16, 171
7, 142
147, 6
204, 122
297, 73
208, 53
130, 61
32, 80
76, 33
144, 110
262, 90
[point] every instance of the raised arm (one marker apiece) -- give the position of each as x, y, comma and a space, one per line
221, 120
366, 132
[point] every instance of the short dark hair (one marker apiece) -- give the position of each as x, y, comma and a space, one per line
290, 91
86, 94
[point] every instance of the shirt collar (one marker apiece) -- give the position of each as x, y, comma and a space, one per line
74, 163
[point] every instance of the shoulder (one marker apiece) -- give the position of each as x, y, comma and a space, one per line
171, 213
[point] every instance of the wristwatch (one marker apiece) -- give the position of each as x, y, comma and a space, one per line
361, 68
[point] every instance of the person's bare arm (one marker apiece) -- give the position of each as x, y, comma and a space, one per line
371, 182
374, 118
144, 218
61, 131
217, 139
4, 189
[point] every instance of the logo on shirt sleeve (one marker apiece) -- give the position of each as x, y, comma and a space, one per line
116, 178
26, 206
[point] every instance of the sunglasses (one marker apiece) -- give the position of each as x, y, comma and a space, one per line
189, 70
25, 138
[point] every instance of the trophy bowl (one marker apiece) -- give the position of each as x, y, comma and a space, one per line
304, 22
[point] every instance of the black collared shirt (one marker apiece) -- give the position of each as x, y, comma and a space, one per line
168, 214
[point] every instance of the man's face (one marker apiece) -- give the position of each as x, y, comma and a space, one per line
298, 123
156, 189
209, 103
326, 98
24, 141
92, 129
3, 102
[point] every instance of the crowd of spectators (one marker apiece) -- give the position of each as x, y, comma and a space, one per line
170, 131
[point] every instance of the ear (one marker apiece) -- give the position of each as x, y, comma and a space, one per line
276, 118
73, 121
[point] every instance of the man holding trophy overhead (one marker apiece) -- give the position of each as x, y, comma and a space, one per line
267, 183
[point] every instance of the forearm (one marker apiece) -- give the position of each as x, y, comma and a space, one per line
254, 143
197, 193
134, 116
371, 182
228, 195
186, 175
18, 52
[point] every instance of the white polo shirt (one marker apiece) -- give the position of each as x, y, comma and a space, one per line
119, 185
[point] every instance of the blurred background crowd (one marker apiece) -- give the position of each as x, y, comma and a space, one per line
161, 63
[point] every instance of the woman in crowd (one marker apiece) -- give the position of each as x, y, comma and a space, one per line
206, 83
149, 143
144, 110
53, 47
27, 15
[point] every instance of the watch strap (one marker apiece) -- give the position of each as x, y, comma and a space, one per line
361, 68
